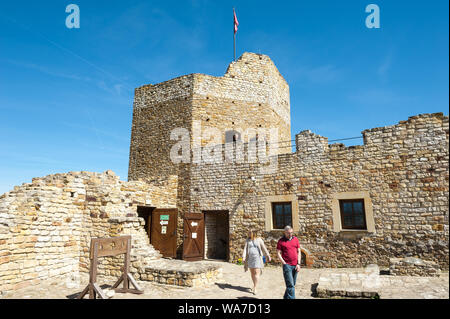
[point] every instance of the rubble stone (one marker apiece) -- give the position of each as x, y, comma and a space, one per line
411, 266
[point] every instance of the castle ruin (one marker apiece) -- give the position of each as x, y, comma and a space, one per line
349, 206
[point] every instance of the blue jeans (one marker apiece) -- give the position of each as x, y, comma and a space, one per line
290, 277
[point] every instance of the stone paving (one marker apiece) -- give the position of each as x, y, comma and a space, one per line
235, 285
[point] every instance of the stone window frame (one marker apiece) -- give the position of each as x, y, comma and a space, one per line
336, 211
281, 198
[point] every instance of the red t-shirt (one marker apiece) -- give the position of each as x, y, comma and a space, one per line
289, 251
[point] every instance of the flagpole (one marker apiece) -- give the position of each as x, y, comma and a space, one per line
234, 47
234, 38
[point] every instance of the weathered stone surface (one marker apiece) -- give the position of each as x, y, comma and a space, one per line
109, 293
46, 225
182, 273
365, 284
402, 167
236, 284
405, 215
49, 224
410, 266
251, 94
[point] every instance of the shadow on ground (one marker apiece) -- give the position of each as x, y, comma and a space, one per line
75, 295
228, 286
314, 289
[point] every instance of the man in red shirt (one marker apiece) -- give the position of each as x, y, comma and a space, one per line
288, 249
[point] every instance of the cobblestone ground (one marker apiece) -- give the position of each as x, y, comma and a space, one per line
235, 285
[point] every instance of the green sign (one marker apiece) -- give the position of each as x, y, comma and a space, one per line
163, 217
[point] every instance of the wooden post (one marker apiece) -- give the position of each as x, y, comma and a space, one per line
93, 272
102, 247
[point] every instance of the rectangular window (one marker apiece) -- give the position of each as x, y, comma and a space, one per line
353, 215
281, 215
232, 136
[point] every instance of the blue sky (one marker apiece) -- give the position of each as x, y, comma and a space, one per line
66, 94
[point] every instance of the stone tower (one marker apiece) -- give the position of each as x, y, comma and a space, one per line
251, 94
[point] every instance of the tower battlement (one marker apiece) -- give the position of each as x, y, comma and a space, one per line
251, 94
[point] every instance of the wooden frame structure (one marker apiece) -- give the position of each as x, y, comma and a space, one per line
105, 247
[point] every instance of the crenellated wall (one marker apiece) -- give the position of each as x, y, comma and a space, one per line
401, 171
252, 94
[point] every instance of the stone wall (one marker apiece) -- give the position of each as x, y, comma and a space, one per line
401, 171
182, 273
410, 266
252, 94
158, 109
402, 168
46, 225
210, 235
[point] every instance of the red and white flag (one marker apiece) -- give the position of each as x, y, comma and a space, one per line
236, 23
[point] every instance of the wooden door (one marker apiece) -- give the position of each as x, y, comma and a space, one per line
164, 231
194, 237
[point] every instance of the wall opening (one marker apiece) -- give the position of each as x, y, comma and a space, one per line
303, 261
232, 136
217, 235
146, 213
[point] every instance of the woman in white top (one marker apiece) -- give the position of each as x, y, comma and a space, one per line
253, 256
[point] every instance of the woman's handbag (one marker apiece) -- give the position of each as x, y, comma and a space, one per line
261, 254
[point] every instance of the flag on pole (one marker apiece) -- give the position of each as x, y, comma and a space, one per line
236, 23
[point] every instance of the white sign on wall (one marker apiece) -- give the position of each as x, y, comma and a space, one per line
194, 235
